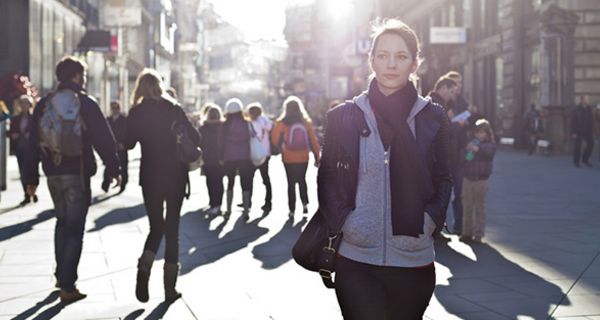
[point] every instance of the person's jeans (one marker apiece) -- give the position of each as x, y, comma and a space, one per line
366, 292
296, 173
264, 174
71, 198
245, 168
589, 147
457, 203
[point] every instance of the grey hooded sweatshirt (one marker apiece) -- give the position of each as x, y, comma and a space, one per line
367, 230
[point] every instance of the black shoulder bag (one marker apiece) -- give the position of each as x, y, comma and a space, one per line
186, 150
317, 247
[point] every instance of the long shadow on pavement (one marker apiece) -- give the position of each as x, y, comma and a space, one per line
278, 250
25, 226
493, 284
119, 216
39, 305
207, 246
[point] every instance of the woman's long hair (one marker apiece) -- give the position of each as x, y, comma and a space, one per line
148, 85
293, 110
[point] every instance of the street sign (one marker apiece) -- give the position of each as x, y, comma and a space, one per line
122, 13
448, 35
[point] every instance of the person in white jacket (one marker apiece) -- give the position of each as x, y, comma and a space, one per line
262, 126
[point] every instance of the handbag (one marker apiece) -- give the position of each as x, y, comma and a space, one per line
186, 150
258, 154
316, 248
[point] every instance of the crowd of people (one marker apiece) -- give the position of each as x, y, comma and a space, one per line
391, 160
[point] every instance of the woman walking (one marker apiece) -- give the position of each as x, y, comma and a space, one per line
20, 139
262, 126
212, 168
295, 133
384, 182
235, 142
163, 177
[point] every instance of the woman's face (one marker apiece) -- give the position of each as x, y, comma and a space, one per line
392, 63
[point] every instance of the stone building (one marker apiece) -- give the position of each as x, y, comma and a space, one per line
516, 53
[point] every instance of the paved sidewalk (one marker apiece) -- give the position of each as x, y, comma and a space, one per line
541, 256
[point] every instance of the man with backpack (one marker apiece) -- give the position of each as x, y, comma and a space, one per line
68, 123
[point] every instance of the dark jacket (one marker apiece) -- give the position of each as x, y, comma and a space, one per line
338, 173
119, 129
20, 138
96, 133
235, 139
480, 168
582, 122
150, 123
210, 142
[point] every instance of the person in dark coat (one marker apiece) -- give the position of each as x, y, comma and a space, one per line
235, 153
582, 130
19, 134
443, 92
533, 127
212, 167
118, 125
69, 176
384, 183
163, 177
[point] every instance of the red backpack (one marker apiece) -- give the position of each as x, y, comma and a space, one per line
297, 138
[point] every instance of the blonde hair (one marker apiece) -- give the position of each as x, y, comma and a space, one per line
20, 102
148, 85
293, 106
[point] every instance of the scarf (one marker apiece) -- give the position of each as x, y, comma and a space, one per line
391, 113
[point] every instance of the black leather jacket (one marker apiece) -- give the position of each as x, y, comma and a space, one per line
338, 173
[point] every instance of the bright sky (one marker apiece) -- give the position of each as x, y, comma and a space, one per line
257, 18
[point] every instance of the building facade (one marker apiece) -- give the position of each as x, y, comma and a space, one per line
517, 53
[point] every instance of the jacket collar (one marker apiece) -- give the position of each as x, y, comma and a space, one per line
70, 85
362, 101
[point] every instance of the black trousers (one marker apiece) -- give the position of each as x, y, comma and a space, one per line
367, 292
589, 146
296, 174
244, 168
264, 174
168, 224
214, 183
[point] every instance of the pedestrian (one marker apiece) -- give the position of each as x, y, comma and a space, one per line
212, 167
479, 155
385, 179
533, 127
69, 166
597, 126
294, 131
444, 92
263, 126
235, 154
582, 129
163, 177
118, 125
20, 137
459, 104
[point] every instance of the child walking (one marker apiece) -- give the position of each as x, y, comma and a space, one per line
477, 170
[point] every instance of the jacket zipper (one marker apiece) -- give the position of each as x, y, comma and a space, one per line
385, 206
